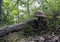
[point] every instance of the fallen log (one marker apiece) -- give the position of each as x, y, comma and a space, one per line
15, 28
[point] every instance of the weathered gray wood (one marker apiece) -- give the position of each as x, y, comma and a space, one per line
1, 12
15, 28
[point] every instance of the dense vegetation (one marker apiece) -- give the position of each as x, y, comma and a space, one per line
14, 11
17, 11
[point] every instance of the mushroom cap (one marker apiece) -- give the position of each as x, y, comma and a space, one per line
39, 13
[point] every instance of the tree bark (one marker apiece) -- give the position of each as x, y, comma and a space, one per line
15, 28
1, 12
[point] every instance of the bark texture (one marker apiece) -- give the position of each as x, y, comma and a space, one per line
14, 28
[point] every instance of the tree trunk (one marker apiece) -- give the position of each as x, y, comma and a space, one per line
0, 12
15, 28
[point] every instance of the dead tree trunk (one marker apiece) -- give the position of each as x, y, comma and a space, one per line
0, 12
14, 28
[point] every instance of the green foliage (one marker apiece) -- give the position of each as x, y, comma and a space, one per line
51, 6
15, 11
